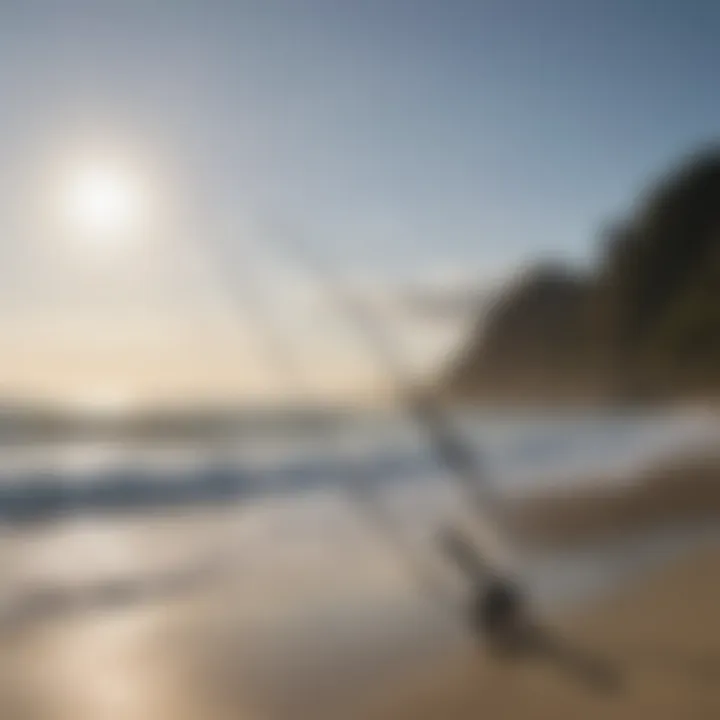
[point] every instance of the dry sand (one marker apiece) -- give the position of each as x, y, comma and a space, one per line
660, 642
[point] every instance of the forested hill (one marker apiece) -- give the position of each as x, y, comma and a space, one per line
643, 324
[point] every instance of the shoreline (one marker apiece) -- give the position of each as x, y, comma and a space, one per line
388, 650
683, 490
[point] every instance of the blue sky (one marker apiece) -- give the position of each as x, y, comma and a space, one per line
400, 136
412, 131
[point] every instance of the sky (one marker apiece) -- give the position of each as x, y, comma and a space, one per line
401, 139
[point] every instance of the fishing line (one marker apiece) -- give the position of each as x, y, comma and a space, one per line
282, 356
452, 451
474, 542
497, 608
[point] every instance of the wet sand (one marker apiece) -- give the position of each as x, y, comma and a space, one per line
684, 490
122, 619
660, 642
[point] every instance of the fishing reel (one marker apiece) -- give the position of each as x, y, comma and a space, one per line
497, 610
499, 616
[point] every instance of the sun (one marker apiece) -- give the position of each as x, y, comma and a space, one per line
103, 202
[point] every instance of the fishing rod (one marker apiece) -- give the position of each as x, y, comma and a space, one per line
476, 544
498, 609
420, 403
281, 355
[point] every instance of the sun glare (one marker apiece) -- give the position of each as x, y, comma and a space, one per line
103, 203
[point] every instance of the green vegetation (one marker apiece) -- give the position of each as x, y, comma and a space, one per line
644, 324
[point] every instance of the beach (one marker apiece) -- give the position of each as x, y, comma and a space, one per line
660, 639
115, 636
298, 604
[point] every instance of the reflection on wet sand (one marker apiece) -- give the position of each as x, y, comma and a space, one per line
184, 617
289, 609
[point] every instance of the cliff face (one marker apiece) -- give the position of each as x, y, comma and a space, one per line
645, 323
534, 341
